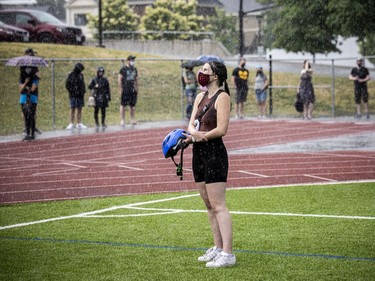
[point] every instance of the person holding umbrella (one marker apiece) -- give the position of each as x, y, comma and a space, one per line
35, 69
28, 89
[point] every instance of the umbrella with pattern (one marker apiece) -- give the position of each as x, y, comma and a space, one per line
27, 61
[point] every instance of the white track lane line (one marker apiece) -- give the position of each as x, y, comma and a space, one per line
253, 174
320, 178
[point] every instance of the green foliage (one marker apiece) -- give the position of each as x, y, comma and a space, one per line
300, 26
116, 16
224, 29
367, 46
352, 17
314, 26
169, 16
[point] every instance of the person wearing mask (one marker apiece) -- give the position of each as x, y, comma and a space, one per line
207, 126
28, 89
360, 75
240, 76
306, 90
101, 91
190, 89
75, 84
128, 88
260, 86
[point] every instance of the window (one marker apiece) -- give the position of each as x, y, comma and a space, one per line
22, 19
80, 19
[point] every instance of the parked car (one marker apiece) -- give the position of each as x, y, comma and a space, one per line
10, 33
43, 27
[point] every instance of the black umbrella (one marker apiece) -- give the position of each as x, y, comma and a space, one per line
201, 60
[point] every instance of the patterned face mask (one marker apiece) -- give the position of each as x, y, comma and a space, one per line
204, 79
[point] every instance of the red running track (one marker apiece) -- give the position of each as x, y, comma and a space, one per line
131, 161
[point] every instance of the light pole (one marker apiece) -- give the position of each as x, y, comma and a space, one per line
100, 25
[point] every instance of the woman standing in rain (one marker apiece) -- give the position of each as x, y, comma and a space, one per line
210, 159
306, 90
102, 94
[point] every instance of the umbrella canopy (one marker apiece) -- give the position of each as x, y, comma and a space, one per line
27, 61
207, 58
201, 60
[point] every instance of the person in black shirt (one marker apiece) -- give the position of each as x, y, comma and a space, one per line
128, 88
102, 94
360, 75
240, 76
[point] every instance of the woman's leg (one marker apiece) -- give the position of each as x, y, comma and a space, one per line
103, 116
221, 218
96, 112
218, 241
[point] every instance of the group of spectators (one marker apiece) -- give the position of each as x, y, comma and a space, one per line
305, 94
100, 93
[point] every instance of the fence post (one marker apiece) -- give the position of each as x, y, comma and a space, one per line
333, 88
270, 86
182, 91
53, 94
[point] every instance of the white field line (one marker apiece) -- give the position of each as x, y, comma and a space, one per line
94, 212
133, 206
173, 211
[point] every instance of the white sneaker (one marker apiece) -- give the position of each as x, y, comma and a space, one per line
70, 126
210, 254
222, 260
81, 126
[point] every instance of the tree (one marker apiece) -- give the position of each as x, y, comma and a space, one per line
116, 16
171, 16
300, 26
314, 26
224, 29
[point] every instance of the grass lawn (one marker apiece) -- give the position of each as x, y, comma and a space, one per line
322, 232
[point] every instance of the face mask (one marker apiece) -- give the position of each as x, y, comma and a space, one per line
243, 65
359, 64
204, 79
132, 63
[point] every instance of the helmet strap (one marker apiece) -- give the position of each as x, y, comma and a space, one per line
179, 169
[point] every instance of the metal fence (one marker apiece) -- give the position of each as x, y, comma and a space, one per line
161, 96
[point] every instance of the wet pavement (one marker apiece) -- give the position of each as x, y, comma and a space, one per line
360, 141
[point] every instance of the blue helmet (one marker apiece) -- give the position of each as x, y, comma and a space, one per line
172, 143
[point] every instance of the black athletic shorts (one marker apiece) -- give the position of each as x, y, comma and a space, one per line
129, 97
210, 161
360, 93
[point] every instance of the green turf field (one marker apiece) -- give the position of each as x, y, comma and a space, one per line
320, 232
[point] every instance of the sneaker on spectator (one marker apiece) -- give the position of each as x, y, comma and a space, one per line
70, 126
222, 260
81, 126
210, 254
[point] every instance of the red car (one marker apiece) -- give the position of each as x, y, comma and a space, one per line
43, 27
10, 33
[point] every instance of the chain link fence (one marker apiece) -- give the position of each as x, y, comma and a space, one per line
161, 96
